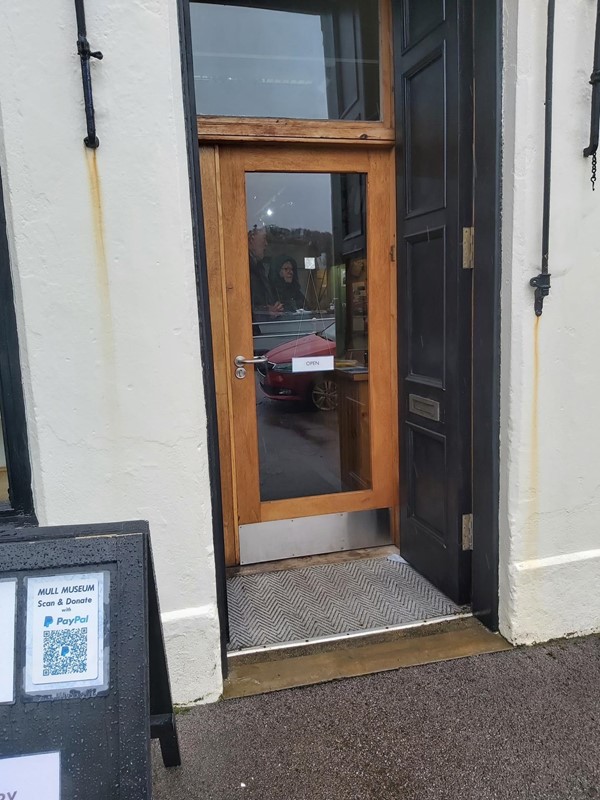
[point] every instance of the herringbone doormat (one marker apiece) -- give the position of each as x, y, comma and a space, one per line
313, 602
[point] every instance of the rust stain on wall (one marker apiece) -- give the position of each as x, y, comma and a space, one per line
105, 323
98, 223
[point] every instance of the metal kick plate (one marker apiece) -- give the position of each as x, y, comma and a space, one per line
308, 536
424, 407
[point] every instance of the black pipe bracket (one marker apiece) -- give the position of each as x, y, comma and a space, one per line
541, 284
85, 53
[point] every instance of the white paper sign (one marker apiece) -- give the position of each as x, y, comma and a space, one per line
313, 364
8, 593
65, 632
310, 263
30, 777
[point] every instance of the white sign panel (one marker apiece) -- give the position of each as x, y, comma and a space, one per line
310, 263
65, 632
313, 364
30, 777
8, 594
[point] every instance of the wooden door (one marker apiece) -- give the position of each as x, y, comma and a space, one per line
330, 213
433, 47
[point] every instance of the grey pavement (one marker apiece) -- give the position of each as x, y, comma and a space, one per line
518, 724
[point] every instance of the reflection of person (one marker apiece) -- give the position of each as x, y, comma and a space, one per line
286, 286
264, 302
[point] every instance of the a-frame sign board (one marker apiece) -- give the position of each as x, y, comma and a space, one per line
83, 673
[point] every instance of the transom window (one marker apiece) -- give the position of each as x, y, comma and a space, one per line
294, 59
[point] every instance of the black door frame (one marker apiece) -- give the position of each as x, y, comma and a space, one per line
487, 67
14, 425
208, 370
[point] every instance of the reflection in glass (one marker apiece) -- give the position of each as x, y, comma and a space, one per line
301, 59
3, 471
307, 253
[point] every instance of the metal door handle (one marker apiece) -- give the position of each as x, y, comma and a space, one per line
239, 361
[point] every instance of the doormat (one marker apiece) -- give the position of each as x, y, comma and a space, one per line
295, 605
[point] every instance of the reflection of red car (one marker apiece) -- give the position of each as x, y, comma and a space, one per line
317, 388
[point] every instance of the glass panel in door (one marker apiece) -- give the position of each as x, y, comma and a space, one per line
307, 254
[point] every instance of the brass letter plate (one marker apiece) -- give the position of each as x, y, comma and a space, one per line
424, 407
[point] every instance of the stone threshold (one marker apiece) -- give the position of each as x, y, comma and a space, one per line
310, 663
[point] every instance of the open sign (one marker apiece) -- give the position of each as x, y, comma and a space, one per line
313, 364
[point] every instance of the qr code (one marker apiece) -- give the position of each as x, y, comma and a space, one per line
65, 652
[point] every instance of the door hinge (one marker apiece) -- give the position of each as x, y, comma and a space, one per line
468, 243
392, 252
467, 532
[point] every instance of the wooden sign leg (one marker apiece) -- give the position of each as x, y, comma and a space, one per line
164, 728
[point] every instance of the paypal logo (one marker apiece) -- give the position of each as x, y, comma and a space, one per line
72, 621
48, 621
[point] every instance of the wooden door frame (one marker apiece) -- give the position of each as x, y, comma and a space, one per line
222, 165
211, 129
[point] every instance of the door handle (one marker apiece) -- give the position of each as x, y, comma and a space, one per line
239, 361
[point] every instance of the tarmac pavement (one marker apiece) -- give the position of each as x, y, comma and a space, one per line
517, 724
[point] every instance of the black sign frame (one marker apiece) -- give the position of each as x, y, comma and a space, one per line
104, 740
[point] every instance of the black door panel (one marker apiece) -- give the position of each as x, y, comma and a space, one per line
434, 156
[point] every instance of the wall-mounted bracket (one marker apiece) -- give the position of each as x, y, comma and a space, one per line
541, 284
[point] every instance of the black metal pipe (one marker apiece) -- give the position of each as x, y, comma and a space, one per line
541, 282
548, 138
591, 149
80, 13
84, 52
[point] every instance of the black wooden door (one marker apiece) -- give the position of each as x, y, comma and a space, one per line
433, 87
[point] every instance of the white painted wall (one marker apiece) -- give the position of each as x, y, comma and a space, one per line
550, 459
105, 296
